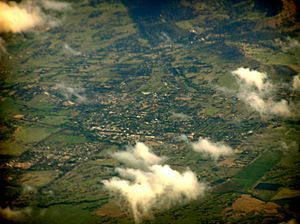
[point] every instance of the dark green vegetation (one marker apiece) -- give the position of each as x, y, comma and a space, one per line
117, 72
247, 177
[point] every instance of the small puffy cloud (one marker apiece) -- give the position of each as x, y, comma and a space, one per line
139, 156
281, 108
211, 149
55, 5
257, 92
296, 82
68, 92
180, 116
14, 215
70, 50
265, 107
155, 186
252, 78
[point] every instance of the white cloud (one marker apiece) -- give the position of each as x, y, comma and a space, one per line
280, 108
139, 156
296, 82
252, 78
180, 116
211, 149
55, 5
68, 92
153, 187
17, 18
70, 50
265, 107
257, 92
25, 16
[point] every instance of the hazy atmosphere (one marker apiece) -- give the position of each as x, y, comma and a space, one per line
139, 111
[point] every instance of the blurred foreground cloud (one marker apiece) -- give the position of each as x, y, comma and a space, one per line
16, 18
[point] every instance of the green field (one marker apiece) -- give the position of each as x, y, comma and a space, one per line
32, 134
113, 73
67, 137
11, 148
248, 177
